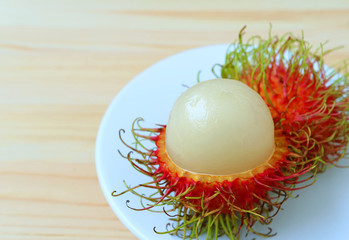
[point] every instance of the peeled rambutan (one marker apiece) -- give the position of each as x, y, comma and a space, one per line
224, 161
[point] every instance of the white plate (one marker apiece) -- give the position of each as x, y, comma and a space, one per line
320, 212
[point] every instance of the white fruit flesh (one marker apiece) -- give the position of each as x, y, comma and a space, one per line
220, 127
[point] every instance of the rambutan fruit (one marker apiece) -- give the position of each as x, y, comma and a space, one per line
235, 148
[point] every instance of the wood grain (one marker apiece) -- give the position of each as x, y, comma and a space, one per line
62, 62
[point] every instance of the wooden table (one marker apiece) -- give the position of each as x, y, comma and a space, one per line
62, 62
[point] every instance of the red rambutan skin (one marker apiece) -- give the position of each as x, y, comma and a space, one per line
308, 109
228, 193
